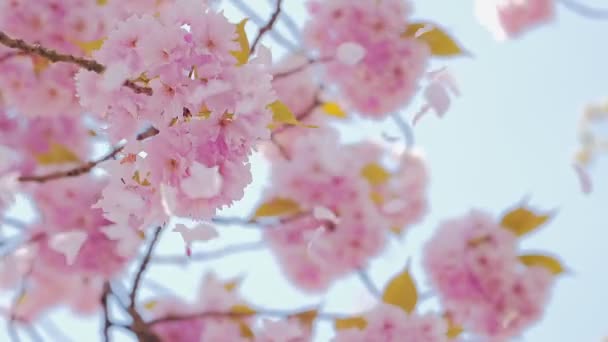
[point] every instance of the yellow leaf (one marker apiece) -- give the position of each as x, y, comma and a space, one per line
454, 330
245, 330
242, 309
349, 323
521, 221
137, 178
550, 263
282, 114
306, 318
230, 286
375, 174
333, 109
102, 2
21, 299
40, 64
396, 230
150, 305
277, 207
57, 154
439, 42
376, 197
89, 47
242, 55
401, 291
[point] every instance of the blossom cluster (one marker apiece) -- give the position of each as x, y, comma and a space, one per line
387, 76
473, 264
347, 203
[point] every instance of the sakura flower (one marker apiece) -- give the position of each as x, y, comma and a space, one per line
350, 53
201, 232
508, 19
68, 244
390, 323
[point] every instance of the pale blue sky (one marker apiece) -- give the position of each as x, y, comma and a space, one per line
511, 134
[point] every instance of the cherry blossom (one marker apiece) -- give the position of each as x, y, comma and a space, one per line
508, 19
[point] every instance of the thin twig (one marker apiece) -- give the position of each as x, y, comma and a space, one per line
406, 129
224, 220
144, 265
585, 11
138, 326
369, 284
291, 25
55, 57
268, 26
249, 12
302, 67
13, 222
85, 168
107, 324
256, 312
203, 256
49, 54
34, 334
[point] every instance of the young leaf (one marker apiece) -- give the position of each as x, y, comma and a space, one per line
242, 309
277, 207
306, 318
521, 221
242, 55
57, 154
349, 323
550, 263
89, 47
454, 330
440, 43
401, 291
282, 114
150, 305
375, 174
333, 109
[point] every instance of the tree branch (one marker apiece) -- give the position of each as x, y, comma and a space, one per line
106, 314
256, 312
202, 256
367, 281
585, 11
139, 327
268, 26
55, 57
85, 168
144, 265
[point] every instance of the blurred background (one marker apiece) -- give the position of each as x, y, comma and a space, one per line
512, 134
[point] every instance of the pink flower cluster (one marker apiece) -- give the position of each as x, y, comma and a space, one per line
473, 265
389, 323
387, 76
218, 299
343, 221
210, 109
70, 240
31, 84
508, 19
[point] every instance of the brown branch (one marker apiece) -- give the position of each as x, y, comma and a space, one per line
204, 256
106, 314
54, 56
49, 54
85, 168
302, 67
144, 265
139, 326
268, 26
256, 312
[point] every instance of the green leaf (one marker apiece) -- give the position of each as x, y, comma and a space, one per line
521, 221
401, 291
333, 109
375, 174
283, 115
57, 154
242, 55
548, 262
350, 323
277, 207
440, 43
